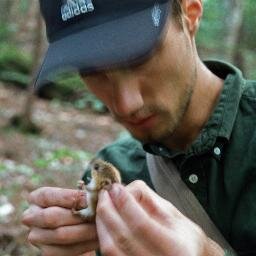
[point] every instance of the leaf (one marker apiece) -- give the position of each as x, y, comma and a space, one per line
15, 77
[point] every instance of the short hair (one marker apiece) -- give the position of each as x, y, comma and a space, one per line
176, 8
176, 12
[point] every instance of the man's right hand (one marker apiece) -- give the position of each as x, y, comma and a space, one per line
52, 226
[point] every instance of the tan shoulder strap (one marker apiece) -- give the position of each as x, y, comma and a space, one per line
169, 185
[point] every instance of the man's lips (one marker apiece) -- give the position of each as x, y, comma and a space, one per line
140, 121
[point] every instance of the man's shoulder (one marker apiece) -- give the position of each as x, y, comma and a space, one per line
128, 156
126, 146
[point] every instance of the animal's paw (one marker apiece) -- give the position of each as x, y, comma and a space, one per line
80, 185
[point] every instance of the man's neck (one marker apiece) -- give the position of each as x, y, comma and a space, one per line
205, 97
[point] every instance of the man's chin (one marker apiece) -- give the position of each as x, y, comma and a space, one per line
154, 137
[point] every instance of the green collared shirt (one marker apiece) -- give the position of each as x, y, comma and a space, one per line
220, 165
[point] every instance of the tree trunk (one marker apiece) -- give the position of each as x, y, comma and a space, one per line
36, 57
24, 121
238, 54
234, 22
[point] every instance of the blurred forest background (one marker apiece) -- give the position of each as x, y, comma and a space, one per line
48, 139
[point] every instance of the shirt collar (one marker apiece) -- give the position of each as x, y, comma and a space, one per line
221, 122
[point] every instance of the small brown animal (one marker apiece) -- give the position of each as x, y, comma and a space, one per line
103, 175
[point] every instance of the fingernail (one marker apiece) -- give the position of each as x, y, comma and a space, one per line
26, 217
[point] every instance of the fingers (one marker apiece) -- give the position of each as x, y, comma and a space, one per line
65, 235
123, 224
114, 233
152, 203
53, 227
51, 196
68, 250
50, 218
88, 254
126, 206
108, 215
106, 241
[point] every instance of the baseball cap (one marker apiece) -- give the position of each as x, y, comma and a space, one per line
91, 35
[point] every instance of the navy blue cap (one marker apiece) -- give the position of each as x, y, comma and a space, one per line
92, 35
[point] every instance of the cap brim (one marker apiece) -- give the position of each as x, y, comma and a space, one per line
121, 42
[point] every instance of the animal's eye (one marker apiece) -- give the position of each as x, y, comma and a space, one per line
96, 167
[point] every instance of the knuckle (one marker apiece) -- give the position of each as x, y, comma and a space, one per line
41, 196
140, 227
123, 242
139, 184
48, 218
137, 189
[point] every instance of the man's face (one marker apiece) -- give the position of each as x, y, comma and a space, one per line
150, 100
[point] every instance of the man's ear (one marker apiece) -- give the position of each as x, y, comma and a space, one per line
192, 11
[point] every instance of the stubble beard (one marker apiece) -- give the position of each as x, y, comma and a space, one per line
168, 122
171, 122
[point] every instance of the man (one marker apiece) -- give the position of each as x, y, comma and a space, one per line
199, 115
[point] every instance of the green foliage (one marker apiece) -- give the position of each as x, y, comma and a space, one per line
249, 25
60, 161
6, 30
211, 39
69, 82
24, 6
88, 100
2, 168
212, 31
14, 65
69, 87
12, 58
59, 157
63, 87
14, 77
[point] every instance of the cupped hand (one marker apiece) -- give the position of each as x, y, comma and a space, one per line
52, 226
135, 221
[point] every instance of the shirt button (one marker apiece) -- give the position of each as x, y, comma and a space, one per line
193, 178
217, 151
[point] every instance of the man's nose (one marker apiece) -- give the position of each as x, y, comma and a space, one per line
126, 95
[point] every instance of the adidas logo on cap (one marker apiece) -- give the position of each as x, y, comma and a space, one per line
73, 8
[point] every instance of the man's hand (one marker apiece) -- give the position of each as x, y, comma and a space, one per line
135, 221
53, 227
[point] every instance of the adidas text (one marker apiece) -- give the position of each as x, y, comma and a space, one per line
72, 8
